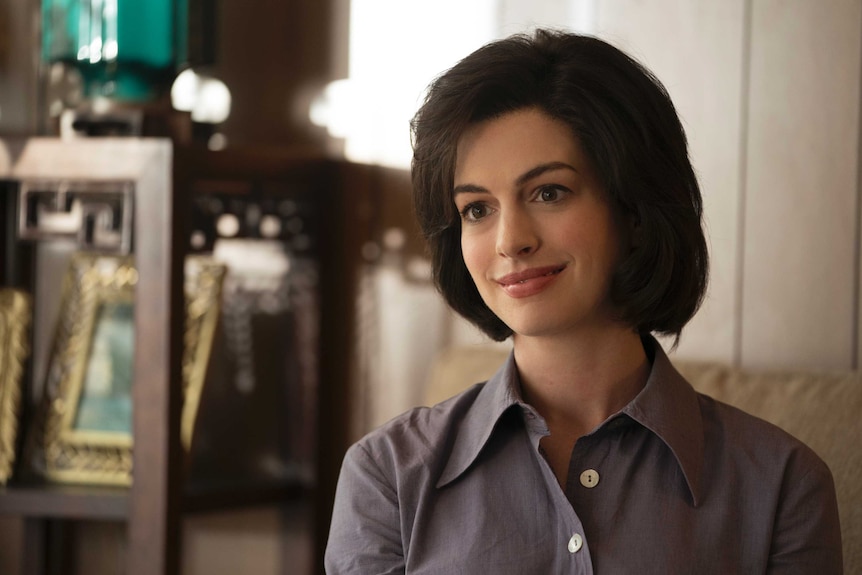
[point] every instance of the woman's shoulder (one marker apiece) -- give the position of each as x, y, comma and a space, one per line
755, 442
420, 436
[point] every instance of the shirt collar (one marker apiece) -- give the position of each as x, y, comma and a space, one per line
500, 393
668, 406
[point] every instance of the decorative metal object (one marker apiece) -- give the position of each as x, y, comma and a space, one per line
85, 428
15, 318
204, 278
97, 214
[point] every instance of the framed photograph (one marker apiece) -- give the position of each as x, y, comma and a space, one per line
15, 317
86, 423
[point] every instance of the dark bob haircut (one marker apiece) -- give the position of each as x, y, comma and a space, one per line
628, 127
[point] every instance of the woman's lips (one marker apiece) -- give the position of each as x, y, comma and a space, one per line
529, 282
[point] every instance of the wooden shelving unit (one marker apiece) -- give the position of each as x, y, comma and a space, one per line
54, 501
66, 502
160, 495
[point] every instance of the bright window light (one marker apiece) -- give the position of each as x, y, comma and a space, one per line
397, 47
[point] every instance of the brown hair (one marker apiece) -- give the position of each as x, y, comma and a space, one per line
628, 127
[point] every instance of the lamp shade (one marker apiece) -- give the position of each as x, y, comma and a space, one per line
124, 49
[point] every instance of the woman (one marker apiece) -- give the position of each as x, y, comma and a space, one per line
552, 181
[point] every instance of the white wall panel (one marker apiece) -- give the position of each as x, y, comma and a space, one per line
801, 188
696, 50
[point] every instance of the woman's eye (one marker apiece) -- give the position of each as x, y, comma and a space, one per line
474, 212
549, 194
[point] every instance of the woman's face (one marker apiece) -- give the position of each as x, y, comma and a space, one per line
538, 235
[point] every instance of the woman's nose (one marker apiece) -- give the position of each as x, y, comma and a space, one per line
516, 235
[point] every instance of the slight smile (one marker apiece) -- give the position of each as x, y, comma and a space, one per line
529, 282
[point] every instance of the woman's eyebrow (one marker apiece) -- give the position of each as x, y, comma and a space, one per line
522, 179
469, 189
541, 169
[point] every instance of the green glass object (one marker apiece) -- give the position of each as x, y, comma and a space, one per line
124, 49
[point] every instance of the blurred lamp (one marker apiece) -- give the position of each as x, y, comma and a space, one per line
207, 98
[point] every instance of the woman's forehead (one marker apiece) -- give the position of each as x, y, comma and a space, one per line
513, 144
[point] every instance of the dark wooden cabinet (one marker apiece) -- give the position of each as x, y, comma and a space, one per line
167, 181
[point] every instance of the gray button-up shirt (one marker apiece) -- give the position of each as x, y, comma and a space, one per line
676, 482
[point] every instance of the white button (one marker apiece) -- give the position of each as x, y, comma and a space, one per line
590, 478
575, 543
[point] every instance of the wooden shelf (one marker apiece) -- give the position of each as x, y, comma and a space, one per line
65, 502
112, 503
223, 497
167, 182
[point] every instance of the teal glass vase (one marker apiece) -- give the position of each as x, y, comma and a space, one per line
125, 50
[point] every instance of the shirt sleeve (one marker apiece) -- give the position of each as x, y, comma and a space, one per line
365, 533
807, 534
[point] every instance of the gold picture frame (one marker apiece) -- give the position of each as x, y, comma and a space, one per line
16, 312
86, 423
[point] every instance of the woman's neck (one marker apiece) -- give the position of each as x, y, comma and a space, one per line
578, 381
